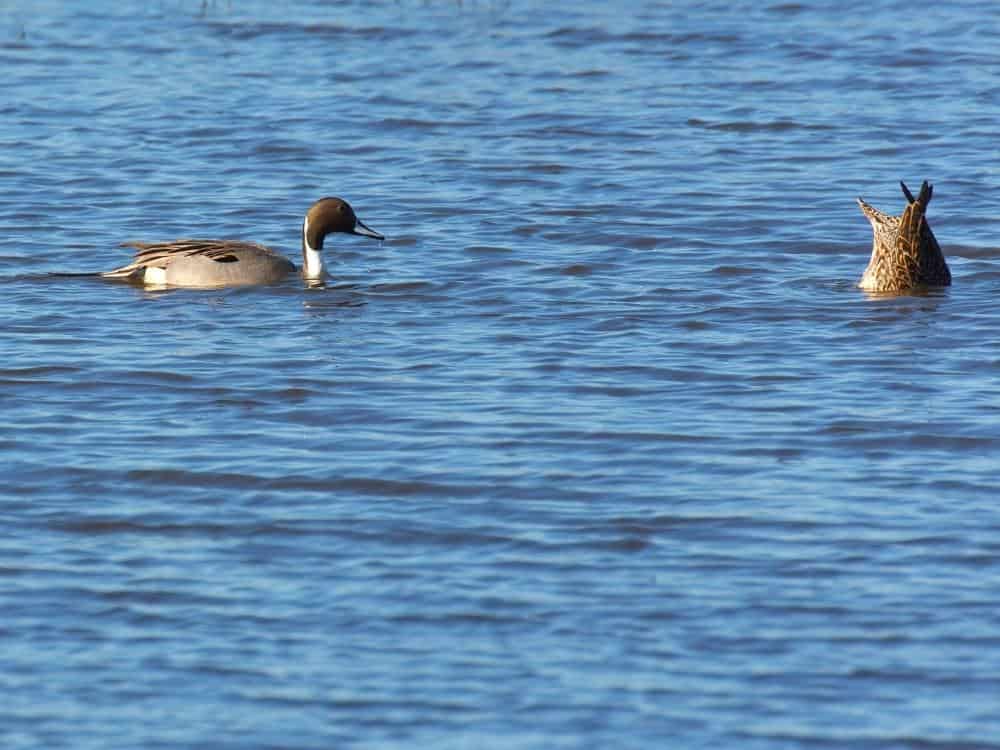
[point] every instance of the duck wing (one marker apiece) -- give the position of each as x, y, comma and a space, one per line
162, 254
917, 241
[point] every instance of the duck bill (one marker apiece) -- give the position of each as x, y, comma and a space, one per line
366, 231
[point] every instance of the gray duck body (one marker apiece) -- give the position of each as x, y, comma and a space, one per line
222, 263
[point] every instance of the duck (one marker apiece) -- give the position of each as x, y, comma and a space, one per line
905, 253
223, 263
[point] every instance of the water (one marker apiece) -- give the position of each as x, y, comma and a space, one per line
601, 448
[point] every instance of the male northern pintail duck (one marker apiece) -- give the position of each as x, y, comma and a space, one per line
905, 253
220, 263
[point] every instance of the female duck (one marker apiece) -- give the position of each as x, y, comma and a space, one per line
905, 252
221, 263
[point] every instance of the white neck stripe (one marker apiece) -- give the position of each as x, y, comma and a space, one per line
312, 263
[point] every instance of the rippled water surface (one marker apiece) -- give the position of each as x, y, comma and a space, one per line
600, 448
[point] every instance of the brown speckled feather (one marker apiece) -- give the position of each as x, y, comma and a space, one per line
905, 252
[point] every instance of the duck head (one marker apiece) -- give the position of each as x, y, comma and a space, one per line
325, 216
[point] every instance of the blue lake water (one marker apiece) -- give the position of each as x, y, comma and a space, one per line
601, 448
